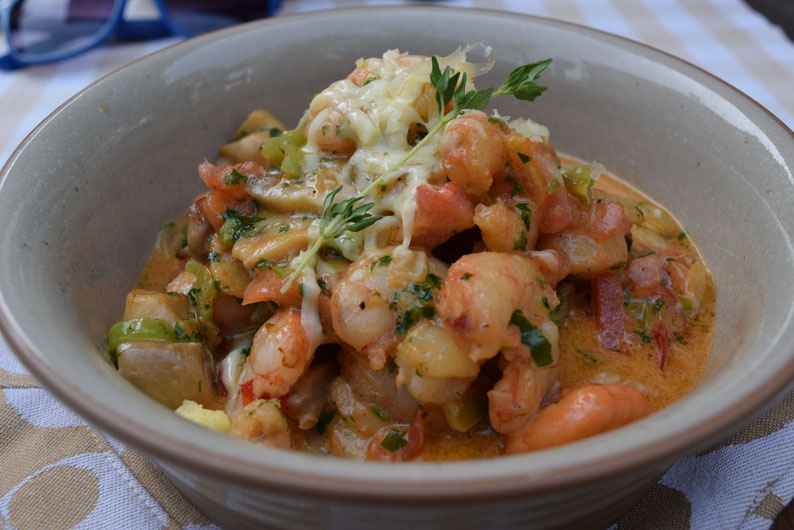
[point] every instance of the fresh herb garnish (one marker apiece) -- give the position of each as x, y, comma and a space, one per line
412, 316
524, 158
394, 440
531, 337
236, 225
234, 177
587, 356
617, 266
180, 334
644, 336
323, 421
526, 214
521, 241
465, 276
213, 256
383, 261
336, 219
379, 412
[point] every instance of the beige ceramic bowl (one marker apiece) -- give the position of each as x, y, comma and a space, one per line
83, 196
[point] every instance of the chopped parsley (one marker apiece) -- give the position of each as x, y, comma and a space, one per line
391, 366
180, 334
521, 241
236, 225
283, 228
586, 356
518, 188
617, 266
465, 276
383, 261
644, 336
412, 316
526, 213
234, 177
323, 421
681, 236
531, 337
394, 440
658, 306
379, 412
213, 256
524, 158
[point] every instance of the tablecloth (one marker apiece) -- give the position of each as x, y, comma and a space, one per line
58, 472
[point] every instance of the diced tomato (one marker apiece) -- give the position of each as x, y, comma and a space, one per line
216, 203
247, 392
440, 214
266, 286
607, 301
607, 219
216, 177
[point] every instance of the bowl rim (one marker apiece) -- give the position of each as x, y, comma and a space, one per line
408, 482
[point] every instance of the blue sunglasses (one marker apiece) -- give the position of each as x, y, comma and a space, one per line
44, 31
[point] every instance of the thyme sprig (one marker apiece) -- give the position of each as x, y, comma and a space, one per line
336, 219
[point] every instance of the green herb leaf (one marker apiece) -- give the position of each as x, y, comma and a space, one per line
383, 261
526, 213
323, 421
531, 337
379, 412
234, 177
394, 440
520, 83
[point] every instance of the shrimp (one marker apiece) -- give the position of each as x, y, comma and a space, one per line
480, 294
534, 165
279, 354
582, 412
363, 307
472, 152
330, 130
507, 227
595, 240
517, 396
262, 421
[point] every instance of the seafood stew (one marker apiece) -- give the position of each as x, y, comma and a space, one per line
404, 276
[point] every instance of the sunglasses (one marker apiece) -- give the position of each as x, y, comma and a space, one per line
44, 31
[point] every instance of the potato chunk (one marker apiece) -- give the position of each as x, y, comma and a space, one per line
168, 372
171, 308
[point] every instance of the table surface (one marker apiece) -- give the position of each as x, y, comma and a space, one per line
59, 472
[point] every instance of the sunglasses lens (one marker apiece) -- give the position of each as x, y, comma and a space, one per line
201, 16
57, 26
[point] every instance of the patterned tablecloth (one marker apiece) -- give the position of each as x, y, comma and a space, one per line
59, 472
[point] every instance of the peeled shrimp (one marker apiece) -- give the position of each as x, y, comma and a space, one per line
582, 412
479, 295
472, 152
279, 354
360, 302
516, 398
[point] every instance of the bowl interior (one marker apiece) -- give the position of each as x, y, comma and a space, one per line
87, 191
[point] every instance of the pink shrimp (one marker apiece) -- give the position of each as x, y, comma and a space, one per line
582, 412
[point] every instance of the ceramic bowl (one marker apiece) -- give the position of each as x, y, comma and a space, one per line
84, 194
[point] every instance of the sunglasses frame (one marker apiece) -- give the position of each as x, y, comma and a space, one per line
164, 26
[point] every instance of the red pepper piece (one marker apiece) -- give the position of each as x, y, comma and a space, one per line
607, 301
